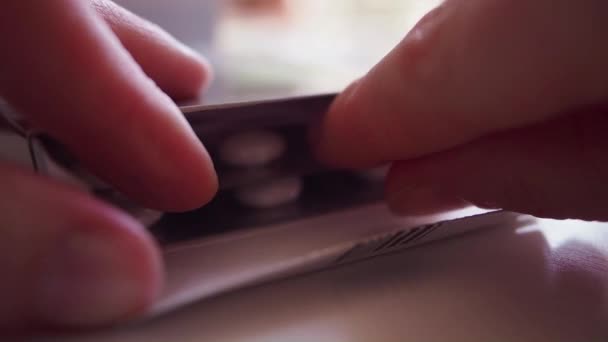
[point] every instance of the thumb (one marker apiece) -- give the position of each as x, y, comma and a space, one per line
470, 68
67, 260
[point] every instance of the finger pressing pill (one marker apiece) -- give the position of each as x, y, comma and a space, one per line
253, 148
270, 194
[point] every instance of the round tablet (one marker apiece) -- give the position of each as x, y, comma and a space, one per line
270, 194
376, 174
253, 148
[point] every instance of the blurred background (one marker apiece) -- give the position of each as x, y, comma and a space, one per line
264, 49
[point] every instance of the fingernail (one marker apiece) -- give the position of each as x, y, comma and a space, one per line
427, 22
83, 283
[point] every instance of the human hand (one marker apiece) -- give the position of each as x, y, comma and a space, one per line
90, 74
492, 102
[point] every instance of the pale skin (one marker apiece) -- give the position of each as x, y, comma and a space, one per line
499, 103
97, 78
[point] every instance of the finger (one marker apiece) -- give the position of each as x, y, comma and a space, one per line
468, 69
68, 74
555, 169
67, 260
175, 68
408, 199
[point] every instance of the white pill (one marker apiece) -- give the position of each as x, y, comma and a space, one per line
270, 194
253, 148
376, 174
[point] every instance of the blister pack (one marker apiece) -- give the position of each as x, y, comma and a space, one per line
278, 212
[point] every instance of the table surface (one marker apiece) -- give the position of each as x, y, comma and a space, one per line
542, 281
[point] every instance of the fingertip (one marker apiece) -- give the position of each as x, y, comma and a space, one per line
191, 181
144, 263
154, 157
386, 115
334, 136
176, 68
89, 265
203, 74
195, 76
183, 74
194, 191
